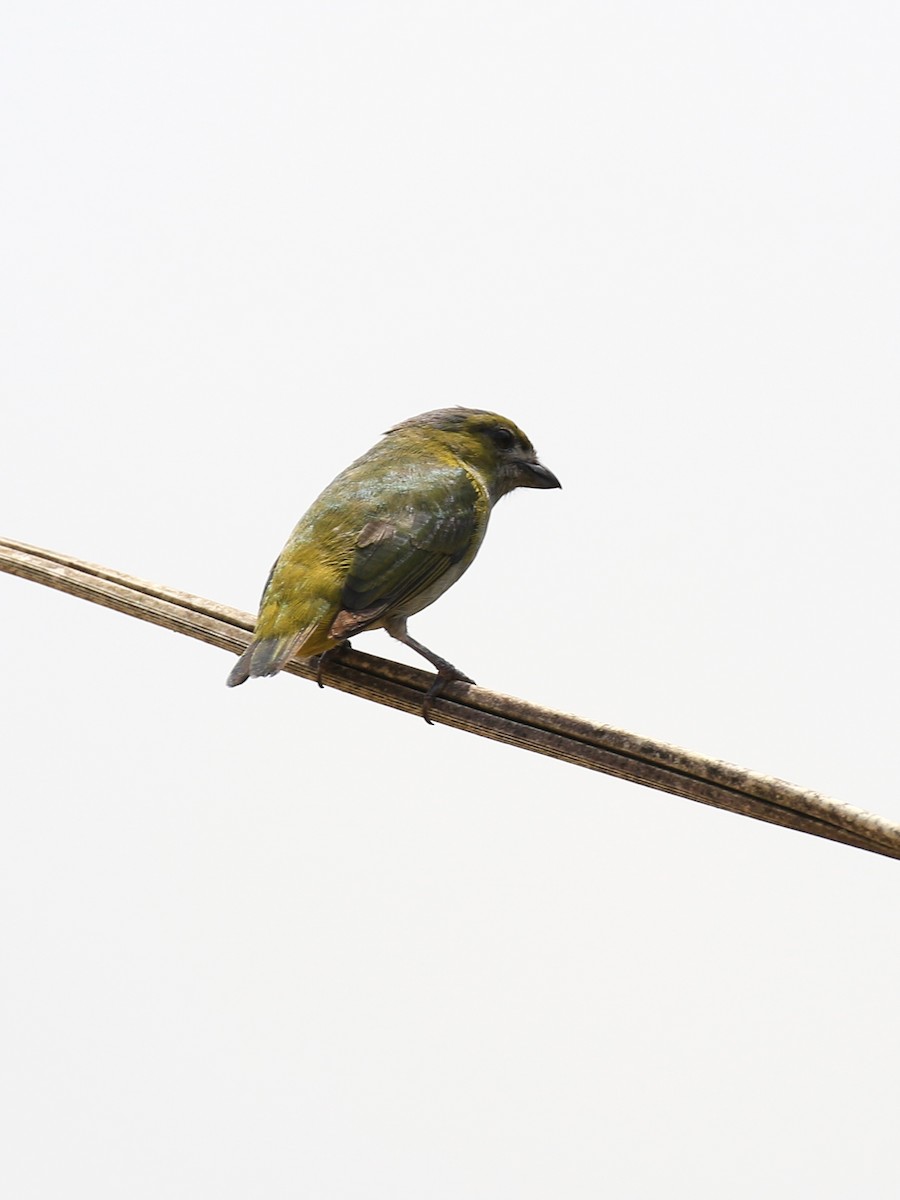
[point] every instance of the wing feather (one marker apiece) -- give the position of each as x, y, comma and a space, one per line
406, 552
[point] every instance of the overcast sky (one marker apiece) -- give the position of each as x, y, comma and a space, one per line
280, 942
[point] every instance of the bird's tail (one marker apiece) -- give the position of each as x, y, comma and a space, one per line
267, 656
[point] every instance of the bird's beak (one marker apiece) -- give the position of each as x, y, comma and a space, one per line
536, 475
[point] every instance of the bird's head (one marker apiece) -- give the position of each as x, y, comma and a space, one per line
490, 444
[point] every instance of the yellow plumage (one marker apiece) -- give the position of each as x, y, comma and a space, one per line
388, 536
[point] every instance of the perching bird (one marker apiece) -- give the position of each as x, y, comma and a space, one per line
388, 536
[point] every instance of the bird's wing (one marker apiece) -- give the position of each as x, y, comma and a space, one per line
401, 555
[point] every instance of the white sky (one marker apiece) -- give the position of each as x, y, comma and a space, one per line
279, 942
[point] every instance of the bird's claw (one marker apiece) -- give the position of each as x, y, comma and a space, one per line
443, 677
333, 652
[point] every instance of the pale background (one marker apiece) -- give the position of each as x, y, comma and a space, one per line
278, 942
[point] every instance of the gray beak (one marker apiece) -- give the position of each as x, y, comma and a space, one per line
535, 475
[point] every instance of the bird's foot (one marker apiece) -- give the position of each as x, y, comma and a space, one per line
446, 674
334, 652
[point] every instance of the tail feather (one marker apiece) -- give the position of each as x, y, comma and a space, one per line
266, 656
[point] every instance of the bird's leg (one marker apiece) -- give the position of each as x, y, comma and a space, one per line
320, 661
446, 671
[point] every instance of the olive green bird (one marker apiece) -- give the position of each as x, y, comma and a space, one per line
388, 536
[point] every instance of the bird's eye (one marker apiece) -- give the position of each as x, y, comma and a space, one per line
503, 438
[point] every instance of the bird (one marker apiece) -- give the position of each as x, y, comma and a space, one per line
387, 537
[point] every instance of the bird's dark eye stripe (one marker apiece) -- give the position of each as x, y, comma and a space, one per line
503, 437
